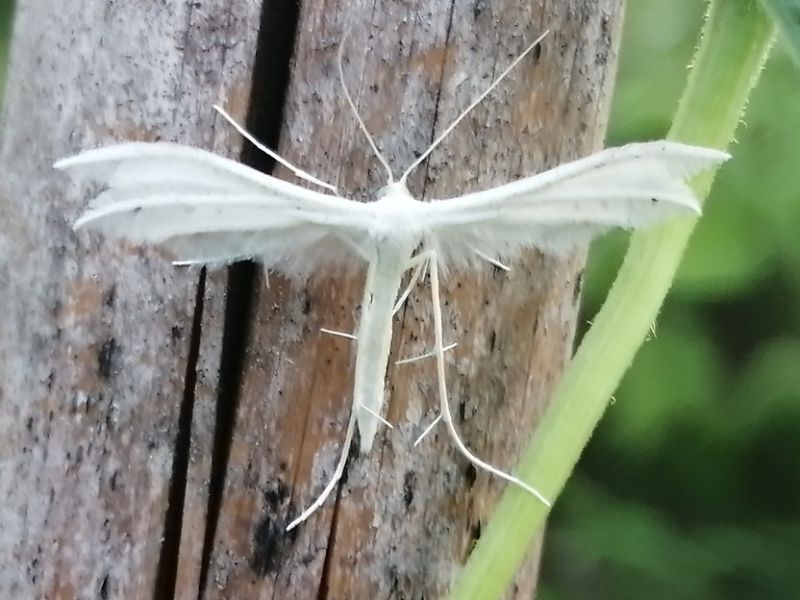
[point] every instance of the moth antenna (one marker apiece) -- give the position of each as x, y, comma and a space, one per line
374, 146
445, 403
337, 475
472, 105
298, 172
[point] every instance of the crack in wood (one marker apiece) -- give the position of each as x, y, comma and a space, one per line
173, 519
234, 341
270, 79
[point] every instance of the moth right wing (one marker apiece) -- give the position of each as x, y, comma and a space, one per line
203, 208
560, 209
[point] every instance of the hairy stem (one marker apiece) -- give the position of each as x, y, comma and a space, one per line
735, 43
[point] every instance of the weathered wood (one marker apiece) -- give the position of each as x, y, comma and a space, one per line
406, 517
94, 346
97, 344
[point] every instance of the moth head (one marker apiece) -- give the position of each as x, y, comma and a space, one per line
394, 190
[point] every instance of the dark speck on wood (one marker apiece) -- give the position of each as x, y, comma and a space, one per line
409, 486
269, 544
105, 358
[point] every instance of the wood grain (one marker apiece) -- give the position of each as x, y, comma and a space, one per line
93, 352
406, 517
99, 430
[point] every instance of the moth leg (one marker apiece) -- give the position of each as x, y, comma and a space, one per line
419, 267
432, 353
357, 249
337, 474
444, 402
343, 334
428, 429
492, 261
369, 411
419, 258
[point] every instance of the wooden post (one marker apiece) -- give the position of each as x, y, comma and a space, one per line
159, 426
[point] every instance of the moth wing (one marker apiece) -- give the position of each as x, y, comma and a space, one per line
204, 208
629, 187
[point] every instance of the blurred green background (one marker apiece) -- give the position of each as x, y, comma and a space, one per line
691, 486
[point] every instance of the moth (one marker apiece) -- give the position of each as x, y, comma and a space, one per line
206, 209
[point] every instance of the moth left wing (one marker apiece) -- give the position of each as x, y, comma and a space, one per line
628, 187
204, 208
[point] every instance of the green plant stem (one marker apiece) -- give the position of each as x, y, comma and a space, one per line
735, 43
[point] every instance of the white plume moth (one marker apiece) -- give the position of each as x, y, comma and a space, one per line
206, 209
